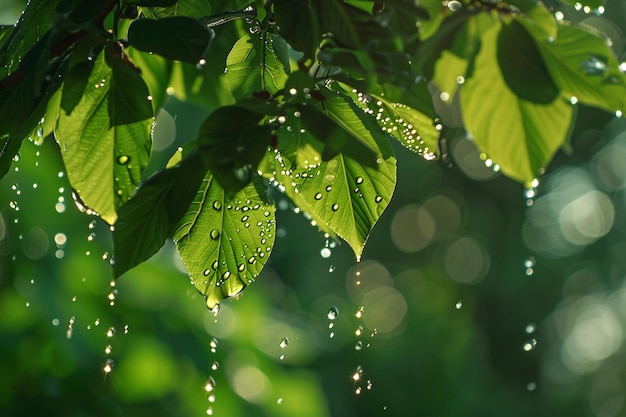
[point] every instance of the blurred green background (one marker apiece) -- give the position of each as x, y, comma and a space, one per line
475, 297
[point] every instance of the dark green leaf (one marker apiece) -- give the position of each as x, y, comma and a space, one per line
179, 37
37, 18
103, 163
232, 143
522, 65
298, 24
253, 65
129, 99
75, 84
9, 147
224, 243
519, 135
151, 216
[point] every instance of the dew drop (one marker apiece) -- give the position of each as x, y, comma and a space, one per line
217, 205
318, 196
359, 180
226, 275
241, 267
335, 207
123, 159
328, 188
214, 234
378, 199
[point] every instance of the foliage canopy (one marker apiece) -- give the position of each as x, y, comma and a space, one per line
303, 96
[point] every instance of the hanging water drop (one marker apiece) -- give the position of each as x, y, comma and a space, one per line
332, 313
284, 343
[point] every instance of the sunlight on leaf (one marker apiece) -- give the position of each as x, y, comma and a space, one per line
225, 243
103, 163
254, 64
519, 135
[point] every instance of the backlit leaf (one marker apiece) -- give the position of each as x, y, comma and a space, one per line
103, 163
519, 135
342, 194
253, 64
224, 243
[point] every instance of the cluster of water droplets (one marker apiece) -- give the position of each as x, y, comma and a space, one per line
393, 124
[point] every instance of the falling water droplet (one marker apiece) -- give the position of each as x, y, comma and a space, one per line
359, 312
529, 264
530, 345
284, 343
333, 312
530, 328
458, 305
325, 252
209, 385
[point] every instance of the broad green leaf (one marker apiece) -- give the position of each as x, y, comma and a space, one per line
584, 67
519, 135
522, 65
178, 38
450, 71
342, 194
253, 65
151, 216
103, 162
224, 243
190, 8
129, 98
232, 143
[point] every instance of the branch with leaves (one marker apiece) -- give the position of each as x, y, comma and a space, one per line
312, 93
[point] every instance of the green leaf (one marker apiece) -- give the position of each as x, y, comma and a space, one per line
253, 65
224, 243
189, 8
9, 147
129, 99
522, 65
232, 143
103, 162
583, 66
156, 72
519, 135
151, 216
298, 24
342, 194
339, 21
337, 136
37, 18
178, 37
